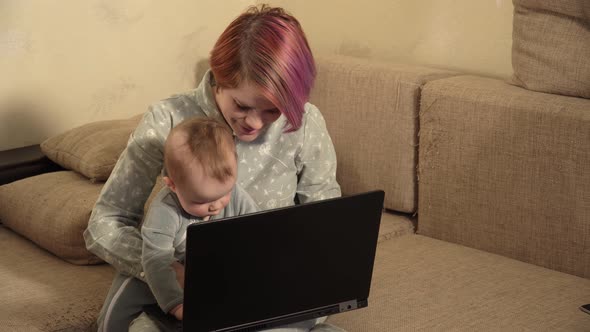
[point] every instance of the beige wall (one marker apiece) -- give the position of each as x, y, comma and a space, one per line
67, 62
473, 36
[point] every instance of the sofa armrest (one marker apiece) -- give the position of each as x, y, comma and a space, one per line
16, 164
505, 170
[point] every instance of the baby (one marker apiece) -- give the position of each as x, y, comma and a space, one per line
200, 165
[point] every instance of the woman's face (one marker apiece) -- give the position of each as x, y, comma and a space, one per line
246, 110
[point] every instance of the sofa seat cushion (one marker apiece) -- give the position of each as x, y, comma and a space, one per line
41, 292
394, 225
424, 284
551, 45
91, 149
52, 210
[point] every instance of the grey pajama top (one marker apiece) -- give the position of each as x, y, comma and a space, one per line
275, 169
164, 240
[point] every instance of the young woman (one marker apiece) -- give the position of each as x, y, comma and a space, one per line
262, 71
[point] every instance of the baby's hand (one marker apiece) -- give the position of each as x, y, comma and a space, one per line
177, 311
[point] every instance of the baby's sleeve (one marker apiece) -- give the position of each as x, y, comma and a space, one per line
243, 202
158, 232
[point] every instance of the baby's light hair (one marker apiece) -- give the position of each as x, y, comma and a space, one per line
267, 47
203, 140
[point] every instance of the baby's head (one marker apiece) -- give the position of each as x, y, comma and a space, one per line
201, 165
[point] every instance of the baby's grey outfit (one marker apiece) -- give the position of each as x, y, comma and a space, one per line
164, 241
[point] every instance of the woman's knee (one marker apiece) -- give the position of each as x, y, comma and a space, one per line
143, 323
124, 303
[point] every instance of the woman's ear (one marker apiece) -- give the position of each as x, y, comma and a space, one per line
169, 183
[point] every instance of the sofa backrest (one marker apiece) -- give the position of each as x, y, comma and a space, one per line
371, 111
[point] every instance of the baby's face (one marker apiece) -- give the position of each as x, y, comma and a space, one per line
203, 196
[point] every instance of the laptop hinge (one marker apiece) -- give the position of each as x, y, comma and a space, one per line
348, 305
287, 319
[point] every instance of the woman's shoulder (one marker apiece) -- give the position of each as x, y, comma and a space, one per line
310, 109
167, 113
196, 102
177, 107
164, 115
312, 117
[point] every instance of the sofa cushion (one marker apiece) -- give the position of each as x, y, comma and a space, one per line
394, 225
423, 284
91, 149
52, 210
371, 112
41, 292
505, 170
551, 46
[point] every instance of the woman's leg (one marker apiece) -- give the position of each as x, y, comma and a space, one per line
326, 327
147, 323
124, 302
303, 326
312, 325
143, 323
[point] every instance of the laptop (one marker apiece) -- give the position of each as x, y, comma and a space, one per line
276, 267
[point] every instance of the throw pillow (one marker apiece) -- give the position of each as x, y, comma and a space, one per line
52, 210
551, 46
91, 149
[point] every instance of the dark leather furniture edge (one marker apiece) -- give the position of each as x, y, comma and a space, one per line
20, 163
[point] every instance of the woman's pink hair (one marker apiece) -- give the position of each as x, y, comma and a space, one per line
267, 47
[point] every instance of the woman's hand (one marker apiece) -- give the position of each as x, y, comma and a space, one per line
179, 270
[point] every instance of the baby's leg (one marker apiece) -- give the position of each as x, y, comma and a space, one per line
124, 302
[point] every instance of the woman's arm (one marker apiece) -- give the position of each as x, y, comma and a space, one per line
112, 232
316, 161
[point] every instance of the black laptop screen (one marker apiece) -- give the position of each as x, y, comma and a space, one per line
280, 262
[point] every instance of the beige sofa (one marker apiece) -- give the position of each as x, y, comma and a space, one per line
487, 212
